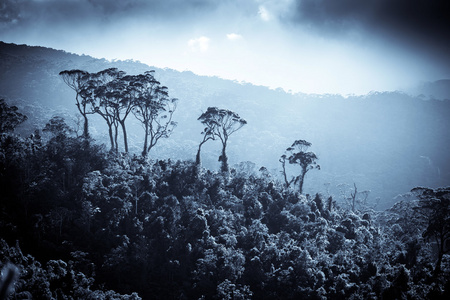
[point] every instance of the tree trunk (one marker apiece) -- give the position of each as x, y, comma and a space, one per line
437, 268
302, 179
144, 152
353, 195
198, 161
125, 141
84, 114
283, 164
85, 127
111, 138
197, 157
224, 159
116, 134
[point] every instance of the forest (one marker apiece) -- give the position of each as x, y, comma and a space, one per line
89, 218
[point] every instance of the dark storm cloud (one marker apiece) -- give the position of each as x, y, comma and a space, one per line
419, 23
9, 11
168, 8
66, 12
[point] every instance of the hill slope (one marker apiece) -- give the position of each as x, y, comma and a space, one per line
384, 142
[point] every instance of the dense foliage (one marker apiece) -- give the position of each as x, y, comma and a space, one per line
80, 222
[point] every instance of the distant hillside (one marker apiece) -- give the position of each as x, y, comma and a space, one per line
433, 90
384, 142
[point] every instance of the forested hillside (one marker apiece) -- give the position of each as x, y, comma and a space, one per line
78, 221
218, 189
385, 142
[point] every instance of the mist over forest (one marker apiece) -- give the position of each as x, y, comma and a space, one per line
113, 225
384, 142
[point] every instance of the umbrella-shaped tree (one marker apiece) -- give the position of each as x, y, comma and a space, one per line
76, 79
220, 123
297, 155
154, 108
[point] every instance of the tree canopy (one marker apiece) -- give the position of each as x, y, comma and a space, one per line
434, 208
10, 118
221, 123
114, 96
76, 79
78, 221
153, 108
297, 155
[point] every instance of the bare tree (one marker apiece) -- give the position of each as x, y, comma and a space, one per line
357, 198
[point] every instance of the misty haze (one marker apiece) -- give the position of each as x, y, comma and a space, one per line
256, 149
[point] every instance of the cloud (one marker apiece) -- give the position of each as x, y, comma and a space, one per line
9, 12
418, 23
264, 14
94, 11
166, 8
234, 37
200, 44
269, 10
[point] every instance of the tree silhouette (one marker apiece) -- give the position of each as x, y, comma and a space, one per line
101, 92
434, 207
153, 108
9, 117
126, 102
208, 134
296, 154
57, 127
76, 79
221, 123
116, 98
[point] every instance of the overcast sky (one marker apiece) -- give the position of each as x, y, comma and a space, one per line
311, 46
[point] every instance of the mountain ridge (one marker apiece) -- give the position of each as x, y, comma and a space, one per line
376, 140
438, 89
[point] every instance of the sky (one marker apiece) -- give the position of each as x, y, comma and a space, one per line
310, 46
